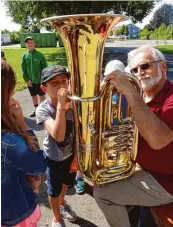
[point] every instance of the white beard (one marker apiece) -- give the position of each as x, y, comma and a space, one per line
152, 82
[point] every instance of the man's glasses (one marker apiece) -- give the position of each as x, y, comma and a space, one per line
143, 67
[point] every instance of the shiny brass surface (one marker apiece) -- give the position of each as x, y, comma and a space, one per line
106, 151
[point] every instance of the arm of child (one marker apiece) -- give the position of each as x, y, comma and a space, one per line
55, 127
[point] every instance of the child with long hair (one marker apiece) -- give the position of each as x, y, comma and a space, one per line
21, 159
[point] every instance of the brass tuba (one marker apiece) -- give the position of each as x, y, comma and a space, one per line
106, 151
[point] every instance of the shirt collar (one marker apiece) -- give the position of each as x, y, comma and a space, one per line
32, 51
164, 92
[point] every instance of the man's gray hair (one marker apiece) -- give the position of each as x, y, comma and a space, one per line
155, 53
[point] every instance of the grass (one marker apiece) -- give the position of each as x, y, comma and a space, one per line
165, 49
52, 55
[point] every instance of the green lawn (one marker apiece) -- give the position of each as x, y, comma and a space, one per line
166, 49
53, 56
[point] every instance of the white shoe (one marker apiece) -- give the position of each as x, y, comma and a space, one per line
58, 224
67, 213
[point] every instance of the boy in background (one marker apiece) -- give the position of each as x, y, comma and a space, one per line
33, 62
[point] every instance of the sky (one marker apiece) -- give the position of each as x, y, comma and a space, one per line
149, 17
7, 23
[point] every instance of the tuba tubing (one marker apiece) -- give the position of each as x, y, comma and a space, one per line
106, 134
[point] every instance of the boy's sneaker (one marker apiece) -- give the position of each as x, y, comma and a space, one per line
80, 186
58, 224
32, 114
67, 213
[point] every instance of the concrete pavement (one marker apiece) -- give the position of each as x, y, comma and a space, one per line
137, 43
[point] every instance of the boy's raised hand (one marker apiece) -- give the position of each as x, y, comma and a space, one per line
62, 97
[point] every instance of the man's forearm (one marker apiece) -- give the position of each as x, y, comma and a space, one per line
154, 130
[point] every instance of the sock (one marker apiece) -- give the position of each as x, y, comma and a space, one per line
79, 178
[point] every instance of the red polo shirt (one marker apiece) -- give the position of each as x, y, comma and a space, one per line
159, 163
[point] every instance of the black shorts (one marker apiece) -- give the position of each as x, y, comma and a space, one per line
36, 90
58, 174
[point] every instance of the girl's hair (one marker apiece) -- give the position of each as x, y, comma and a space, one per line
8, 122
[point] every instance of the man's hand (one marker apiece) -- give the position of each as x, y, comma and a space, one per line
120, 81
29, 83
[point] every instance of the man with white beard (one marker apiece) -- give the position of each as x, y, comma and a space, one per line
152, 182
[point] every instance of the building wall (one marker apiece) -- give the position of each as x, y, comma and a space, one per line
133, 31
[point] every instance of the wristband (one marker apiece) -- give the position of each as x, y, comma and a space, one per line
60, 109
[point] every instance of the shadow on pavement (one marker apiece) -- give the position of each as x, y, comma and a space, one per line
88, 189
32, 124
43, 197
84, 223
71, 190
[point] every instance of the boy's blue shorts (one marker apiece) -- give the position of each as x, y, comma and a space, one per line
58, 174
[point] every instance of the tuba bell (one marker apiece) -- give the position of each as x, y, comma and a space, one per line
106, 150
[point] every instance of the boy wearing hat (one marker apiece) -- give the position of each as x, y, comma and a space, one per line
33, 62
57, 117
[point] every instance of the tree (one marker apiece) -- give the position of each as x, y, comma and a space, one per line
170, 32
126, 31
5, 31
121, 30
24, 13
163, 32
145, 33
29, 13
164, 15
14, 35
